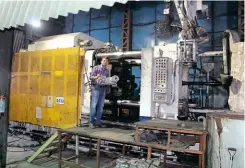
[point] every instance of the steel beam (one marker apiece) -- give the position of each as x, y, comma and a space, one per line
126, 29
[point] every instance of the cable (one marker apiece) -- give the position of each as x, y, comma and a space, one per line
14, 141
20, 138
203, 86
17, 136
86, 74
16, 161
194, 78
25, 150
29, 146
173, 81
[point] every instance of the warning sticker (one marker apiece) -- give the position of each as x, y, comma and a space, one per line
38, 113
2, 106
60, 100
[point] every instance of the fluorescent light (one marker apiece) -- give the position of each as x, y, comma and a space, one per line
138, 61
162, 43
36, 23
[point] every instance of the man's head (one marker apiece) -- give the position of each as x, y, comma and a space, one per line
104, 61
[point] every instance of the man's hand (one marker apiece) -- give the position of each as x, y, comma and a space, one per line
98, 76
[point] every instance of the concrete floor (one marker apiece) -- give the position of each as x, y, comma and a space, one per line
19, 148
83, 160
48, 162
16, 154
24, 165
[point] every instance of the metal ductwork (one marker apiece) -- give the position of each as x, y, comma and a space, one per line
118, 55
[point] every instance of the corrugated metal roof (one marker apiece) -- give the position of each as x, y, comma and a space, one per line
15, 13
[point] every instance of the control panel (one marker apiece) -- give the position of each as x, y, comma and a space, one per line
163, 68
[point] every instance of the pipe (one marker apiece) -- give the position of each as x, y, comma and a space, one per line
124, 103
118, 55
207, 90
202, 83
194, 52
211, 54
77, 148
197, 110
128, 103
226, 52
134, 61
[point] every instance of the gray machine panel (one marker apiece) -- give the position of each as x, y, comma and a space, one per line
162, 90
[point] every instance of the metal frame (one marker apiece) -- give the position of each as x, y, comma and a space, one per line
201, 137
241, 19
126, 29
202, 140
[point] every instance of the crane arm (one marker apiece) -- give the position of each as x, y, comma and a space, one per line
186, 10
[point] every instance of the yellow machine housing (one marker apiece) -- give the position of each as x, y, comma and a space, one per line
46, 87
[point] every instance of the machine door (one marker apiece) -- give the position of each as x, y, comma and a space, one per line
45, 87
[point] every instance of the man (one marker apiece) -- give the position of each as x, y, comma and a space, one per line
98, 92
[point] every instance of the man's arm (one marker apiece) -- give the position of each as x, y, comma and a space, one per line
94, 75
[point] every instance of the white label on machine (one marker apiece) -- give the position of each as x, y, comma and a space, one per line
60, 100
50, 101
2, 106
166, 11
38, 113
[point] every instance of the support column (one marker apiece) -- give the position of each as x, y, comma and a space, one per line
59, 149
149, 153
137, 134
77, 149
124, 149
98, 153
126, 30
6, 54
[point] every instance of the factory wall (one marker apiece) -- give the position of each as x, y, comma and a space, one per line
224, 133
105, 24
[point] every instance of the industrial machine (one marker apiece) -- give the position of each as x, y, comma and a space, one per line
161, 77
121, 101
163, 68
164, 75
162, 91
